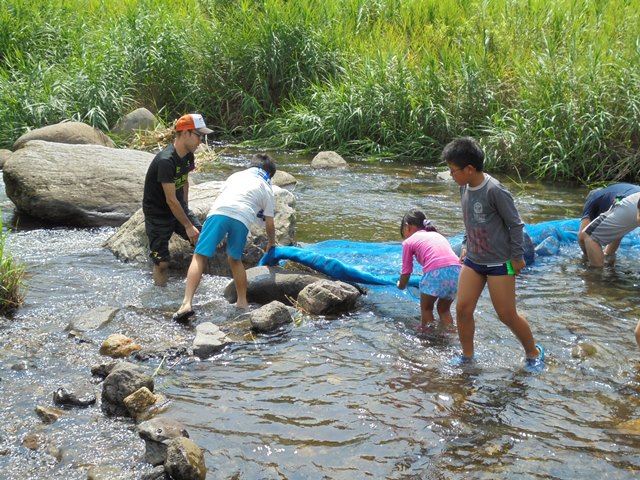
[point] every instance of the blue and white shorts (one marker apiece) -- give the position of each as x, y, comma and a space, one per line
441, 282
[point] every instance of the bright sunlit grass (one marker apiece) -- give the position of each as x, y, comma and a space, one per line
551, 89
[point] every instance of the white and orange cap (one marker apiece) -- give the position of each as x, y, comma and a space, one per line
192, 121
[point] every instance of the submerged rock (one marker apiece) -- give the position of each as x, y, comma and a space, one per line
270, 317
62, 396
118, 346
140, 403
93, 319
209, 340
124, 379
48, 414
156, 433
185, 460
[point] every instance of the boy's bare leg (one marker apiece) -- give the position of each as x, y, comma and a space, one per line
161, 274
612, 247
637, 333
470, 286
502, 289
443, 305
194, 275
240, 279
426, 309
594, 252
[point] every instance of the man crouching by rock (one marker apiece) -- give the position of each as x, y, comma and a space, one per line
165, 201
246, 197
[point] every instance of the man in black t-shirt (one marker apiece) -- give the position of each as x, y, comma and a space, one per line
165, 201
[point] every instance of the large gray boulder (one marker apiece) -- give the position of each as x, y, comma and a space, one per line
328, 159
134, 122
130, 242
265, 284
66, 132
4, 155
76, 185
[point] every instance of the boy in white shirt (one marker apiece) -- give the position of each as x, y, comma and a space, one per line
246, 196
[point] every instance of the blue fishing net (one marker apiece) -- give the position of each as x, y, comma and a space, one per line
379, 264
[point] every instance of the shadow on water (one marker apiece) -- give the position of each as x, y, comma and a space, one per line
362, 396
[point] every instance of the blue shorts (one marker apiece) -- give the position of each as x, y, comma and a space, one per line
215, 229
494, 269
441, 282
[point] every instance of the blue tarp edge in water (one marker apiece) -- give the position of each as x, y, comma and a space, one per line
380, 263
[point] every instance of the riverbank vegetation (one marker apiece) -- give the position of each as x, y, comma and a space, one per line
552, 89
12, 274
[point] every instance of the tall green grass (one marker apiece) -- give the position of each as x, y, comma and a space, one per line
549, 88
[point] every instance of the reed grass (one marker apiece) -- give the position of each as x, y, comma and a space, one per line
12, 274
549, 88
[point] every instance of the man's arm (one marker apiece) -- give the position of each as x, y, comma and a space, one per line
179, 213
270, 227
185, 192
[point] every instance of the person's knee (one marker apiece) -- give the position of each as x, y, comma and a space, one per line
509, 316
637, 333
464, 311
234, 261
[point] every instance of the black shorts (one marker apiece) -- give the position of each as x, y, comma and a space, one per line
159, 231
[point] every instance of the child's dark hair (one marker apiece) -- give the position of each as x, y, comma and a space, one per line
265, 162
464, 151
638, 204
417, 219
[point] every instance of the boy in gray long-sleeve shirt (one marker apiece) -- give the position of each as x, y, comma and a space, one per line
493, 250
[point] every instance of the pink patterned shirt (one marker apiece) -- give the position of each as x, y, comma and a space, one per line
431, 249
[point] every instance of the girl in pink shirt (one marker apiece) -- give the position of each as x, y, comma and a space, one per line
440, 266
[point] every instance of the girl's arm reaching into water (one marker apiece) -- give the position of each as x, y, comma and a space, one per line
402, 283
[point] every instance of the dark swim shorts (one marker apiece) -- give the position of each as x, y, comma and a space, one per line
159, 231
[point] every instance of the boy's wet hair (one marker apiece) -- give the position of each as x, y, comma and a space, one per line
418, 219
638, 204
464, 151
265, 162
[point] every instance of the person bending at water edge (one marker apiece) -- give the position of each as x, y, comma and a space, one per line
599, 201
440, 266
492, 251
246, 197
609, 228
165, 201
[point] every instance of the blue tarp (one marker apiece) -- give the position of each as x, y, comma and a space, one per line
380, 263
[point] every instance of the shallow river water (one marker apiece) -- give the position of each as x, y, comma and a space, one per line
361, 396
